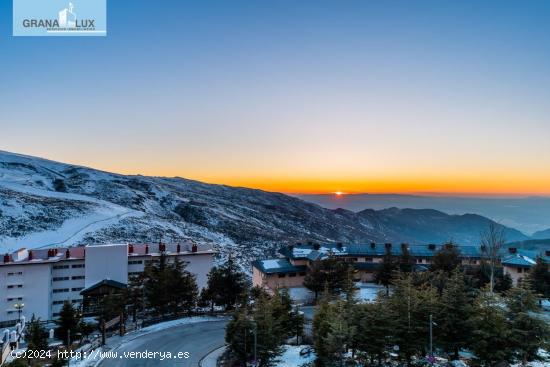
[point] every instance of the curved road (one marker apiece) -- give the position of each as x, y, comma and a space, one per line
198, 339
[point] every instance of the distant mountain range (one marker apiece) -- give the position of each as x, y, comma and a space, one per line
46, 203
528, 214
541, 235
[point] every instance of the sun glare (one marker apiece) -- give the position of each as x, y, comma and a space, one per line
338, 193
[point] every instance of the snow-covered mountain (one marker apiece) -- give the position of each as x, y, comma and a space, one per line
45, 203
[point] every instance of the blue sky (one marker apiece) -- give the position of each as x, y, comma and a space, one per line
296, 96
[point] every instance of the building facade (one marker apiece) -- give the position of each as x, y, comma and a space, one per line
43, 279
290, 269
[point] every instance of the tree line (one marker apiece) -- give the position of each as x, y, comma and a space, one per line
503, 325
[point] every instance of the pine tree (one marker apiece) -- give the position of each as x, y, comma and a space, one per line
330, 274
406, 261
491, 333
447, 259
529, 332
183, 286
375, 328
453, 316
67, 323
36, 335
540, 278
225, 284
411, 308
268, 317
135, 295
386, 271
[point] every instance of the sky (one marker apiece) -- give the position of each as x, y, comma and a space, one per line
293, 96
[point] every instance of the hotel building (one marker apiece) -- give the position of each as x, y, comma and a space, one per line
43, 279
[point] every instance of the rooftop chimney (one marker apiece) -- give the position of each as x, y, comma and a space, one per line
316, 246
30, 255
194, 248
178, 248
146, 249
388, 245
6, 258
547, 252
512, 250
372, 245
431, 246
67, 254
162, 247
130, 249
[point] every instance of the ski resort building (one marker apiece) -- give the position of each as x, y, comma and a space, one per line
290, 269
43, 279
518, 262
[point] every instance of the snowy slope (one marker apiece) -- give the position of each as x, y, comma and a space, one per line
44, 203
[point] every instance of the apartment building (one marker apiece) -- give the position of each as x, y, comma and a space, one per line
43, 279
290, 269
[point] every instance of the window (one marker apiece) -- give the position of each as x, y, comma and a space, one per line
302, 274
56, 267
292, 275
520, 270
59, 279
133, 262
15, 299
58, 302
15, 273
282, 275
78, 266
61, 290
77, 289
76, 300
76, 277
11, 286
368, 259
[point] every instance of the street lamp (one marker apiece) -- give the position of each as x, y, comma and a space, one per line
19, 307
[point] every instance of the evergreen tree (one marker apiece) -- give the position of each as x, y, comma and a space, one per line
156, 286
225, 284
386, 271
529, 332
375, 328
406, 261
411, 308
135, 295
447, 259
330, 274
453, 316
540, 278
67, 323
183, 286
36, 335
491, 333
334, 331
169, 287
270, 319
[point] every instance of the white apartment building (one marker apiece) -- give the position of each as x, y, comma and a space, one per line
43, 279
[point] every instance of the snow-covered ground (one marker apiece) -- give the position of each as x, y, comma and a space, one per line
291, 356
366, 292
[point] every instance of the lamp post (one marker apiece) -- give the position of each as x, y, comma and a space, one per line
19, 307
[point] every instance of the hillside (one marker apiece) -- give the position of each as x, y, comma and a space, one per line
542, 235
46, 203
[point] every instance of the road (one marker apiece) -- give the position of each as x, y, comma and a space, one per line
198, 339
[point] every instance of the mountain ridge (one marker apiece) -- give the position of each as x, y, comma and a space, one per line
43, 202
